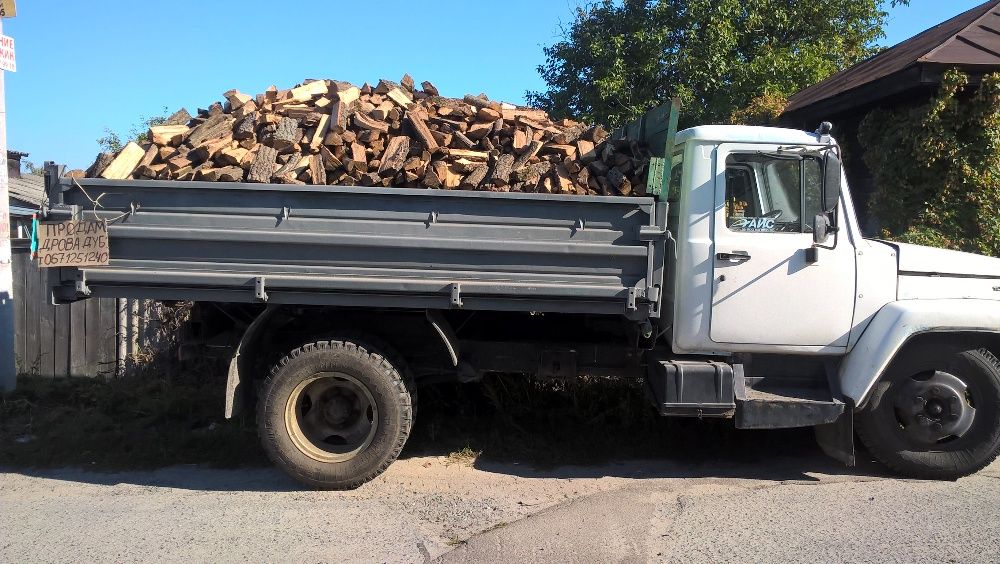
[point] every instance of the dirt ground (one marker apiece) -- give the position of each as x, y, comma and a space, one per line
777, 503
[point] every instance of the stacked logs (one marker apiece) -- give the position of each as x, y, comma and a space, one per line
392, 134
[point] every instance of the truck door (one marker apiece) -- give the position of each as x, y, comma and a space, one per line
765, 291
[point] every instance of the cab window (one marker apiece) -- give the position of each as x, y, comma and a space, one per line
772, 193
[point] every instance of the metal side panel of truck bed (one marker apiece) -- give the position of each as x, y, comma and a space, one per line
361, 246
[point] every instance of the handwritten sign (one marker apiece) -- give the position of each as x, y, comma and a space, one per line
8, 8
7, 62
73, 243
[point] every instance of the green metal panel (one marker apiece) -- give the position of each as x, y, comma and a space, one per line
657, 129
654, 179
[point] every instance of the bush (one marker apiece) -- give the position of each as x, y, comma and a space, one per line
937, 167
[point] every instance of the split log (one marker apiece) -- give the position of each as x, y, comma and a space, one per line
422, 131
126, 161
395, 154
167, 134
286, 135
214, 127
262, 168
502, 169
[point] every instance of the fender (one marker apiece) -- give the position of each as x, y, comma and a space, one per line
899, 321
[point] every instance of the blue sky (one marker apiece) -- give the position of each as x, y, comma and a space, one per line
84, 66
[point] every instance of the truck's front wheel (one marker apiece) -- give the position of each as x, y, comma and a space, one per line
334, 414
935, 414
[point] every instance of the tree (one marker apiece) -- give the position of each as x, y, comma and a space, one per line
112, 142
723, 58
937, 167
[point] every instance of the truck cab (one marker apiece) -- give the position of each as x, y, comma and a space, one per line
772, 273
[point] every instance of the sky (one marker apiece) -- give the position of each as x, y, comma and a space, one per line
86, 66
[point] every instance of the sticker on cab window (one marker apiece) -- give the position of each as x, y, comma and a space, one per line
752, 224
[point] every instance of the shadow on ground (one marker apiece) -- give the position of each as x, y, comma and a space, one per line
152, 433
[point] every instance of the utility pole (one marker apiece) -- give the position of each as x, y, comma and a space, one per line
8, 368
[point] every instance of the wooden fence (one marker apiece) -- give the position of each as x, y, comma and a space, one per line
93, 337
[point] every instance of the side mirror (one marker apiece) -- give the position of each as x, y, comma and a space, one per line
831, 181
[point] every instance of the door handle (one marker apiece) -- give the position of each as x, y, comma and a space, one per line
736, 257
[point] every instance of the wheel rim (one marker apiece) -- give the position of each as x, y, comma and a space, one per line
331, 417
934, 408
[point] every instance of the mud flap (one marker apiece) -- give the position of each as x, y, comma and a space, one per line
239, 372
837, 438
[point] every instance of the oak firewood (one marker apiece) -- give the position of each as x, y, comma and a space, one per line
330, 162
262, 168
358, 157
180, 117
488, 114
563, 180
246, 127
520, 139
214, 127
207, 150
476, 177
528, 154
152, 152
399, 97
321, 129
429, 88
585, 149
479, 130
416, 121
286, 135
366, 122
126, 162
236, 98
308, 91
566, 151
502, 169
179, 162
228, 156
395, 154
461, 140
167, 134
339, 112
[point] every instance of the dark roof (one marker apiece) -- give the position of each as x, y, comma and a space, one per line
971, 38
30, 189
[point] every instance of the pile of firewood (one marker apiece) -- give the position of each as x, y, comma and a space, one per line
330, 132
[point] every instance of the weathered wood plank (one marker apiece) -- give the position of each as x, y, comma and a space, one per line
60, 340
78, 339
93, 332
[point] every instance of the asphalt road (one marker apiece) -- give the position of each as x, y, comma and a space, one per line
800, 507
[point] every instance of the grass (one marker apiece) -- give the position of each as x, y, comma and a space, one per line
153, 421
118, 424
464, 457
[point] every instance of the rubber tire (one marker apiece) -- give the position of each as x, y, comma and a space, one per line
382, 378
879, 431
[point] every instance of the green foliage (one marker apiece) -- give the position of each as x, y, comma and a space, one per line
937, 167
111, 141
32, 168
618, 58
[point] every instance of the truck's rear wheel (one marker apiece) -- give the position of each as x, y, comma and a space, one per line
935, 414
334, 414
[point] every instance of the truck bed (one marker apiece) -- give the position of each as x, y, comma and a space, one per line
359, 246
